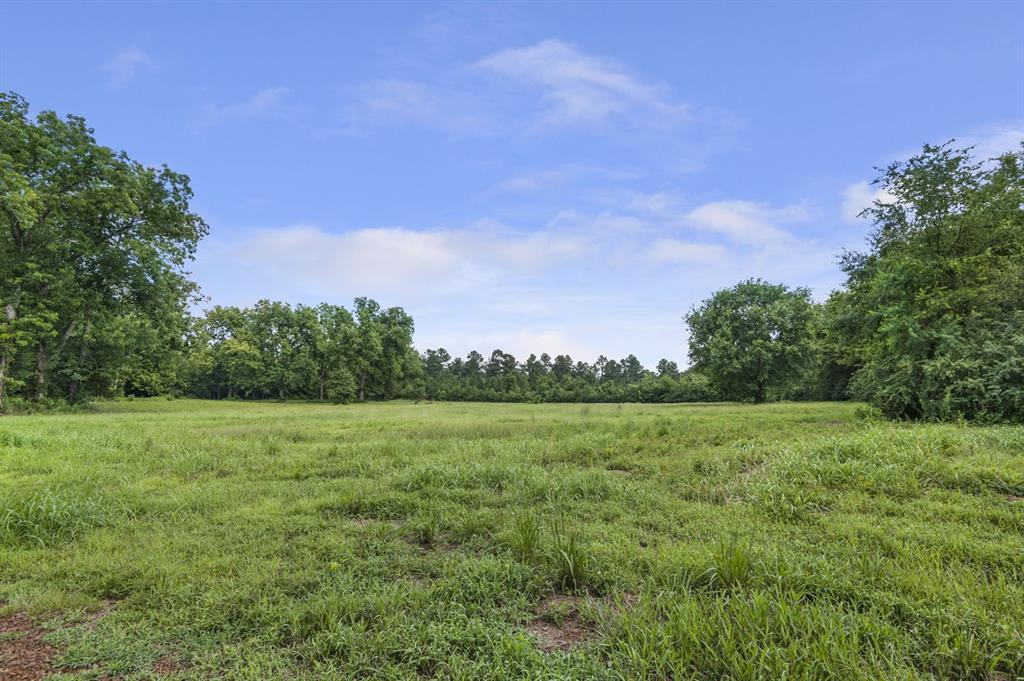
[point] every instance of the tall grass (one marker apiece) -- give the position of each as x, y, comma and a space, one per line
569, 557
49, 517
400, 541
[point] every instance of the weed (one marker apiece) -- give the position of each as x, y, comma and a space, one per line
525, 536
732, 567
569, 558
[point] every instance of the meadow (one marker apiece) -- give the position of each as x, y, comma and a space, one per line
197, 539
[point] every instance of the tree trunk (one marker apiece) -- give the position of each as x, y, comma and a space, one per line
40, 373
362, 387
3, 381
11, 313
321, 387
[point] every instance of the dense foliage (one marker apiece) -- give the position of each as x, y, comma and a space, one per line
545, 379
932, 318
322, 352
92, 246
753, 338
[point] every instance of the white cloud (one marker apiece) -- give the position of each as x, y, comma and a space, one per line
125, 65
420, 263
396, 101
994, 140
543, 179
267, 103
988, 143
747, 222
552, 178
578, 88
674, 251
859, 196
372, 258
655, 203
610, 282
547, 87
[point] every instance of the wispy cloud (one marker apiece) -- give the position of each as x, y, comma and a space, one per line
392, 101
617, 275
393, 258
576, 88
269, 103
559, 176
543, 89
747, 222
125, 65
987, 142
995, 140
674, 251
858, 197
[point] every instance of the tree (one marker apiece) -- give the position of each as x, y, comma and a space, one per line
668, 368
932, 317
382, 351
752, 338
327, 332
88, 239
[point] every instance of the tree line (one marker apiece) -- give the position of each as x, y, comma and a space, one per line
95, 301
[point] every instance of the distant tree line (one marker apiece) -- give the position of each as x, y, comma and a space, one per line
501, 378
95, 300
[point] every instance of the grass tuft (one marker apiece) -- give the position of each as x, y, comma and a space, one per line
570, 560
525, 537
49, 517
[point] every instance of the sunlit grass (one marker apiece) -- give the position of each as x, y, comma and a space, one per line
404, 541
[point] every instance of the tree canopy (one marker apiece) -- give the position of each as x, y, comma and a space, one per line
321, 352
752, 338
932, 317
92, 250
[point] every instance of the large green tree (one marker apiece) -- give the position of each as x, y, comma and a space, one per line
92, 251
752, 338
932, 317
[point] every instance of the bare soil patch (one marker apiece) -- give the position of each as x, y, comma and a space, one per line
168, 664
559, 626
24, 655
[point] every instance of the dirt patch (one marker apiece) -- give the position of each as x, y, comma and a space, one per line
168, 664
1014, 499
24, 655
559, 626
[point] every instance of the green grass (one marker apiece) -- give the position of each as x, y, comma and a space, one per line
405, 541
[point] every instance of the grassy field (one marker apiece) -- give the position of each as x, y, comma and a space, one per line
185, 539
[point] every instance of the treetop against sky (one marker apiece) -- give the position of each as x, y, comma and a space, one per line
557, 178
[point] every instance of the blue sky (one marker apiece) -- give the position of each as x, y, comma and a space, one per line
532, 177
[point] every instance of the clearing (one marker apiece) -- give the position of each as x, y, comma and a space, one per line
185, 539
